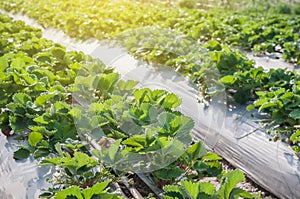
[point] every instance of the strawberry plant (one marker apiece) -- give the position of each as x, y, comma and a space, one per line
274, 93
78, 176
291, 51
194, 163
190, 189
98, 190
145, 123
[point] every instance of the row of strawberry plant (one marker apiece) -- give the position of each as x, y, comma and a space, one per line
44, 90
36, 76
254, 31
273, 93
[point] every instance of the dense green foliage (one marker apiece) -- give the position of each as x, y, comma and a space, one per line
193, 41
275, 93
38, 78
276, 31
206, 190
43, 88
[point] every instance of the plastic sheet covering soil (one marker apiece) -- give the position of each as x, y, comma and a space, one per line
19, 179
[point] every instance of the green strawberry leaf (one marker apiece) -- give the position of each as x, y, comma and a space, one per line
69, 192
295, 114
21, 154
228, 182
34, 138
96, 189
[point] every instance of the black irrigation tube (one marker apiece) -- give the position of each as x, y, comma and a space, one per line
240, 141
